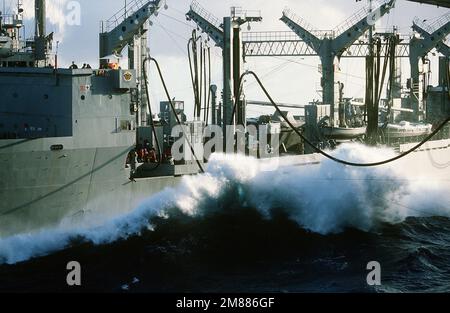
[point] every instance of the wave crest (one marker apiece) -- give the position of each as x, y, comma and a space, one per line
325, 198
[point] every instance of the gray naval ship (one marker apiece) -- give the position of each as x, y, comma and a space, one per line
70, 138
66, 134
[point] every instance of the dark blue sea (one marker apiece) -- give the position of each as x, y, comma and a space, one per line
238, 228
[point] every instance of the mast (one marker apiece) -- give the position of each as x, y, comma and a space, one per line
41, 42
40, 24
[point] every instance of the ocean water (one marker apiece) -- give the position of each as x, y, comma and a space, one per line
245, 227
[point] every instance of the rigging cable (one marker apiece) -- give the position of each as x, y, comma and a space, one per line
176, 115
344, 162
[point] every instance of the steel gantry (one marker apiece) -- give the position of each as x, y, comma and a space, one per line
346, 41
287, 44
128, 27
331, 45
122, 28
428, 37
227, 36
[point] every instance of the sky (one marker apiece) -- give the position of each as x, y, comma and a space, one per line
290, 80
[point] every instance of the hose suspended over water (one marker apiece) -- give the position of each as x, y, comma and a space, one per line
344, 162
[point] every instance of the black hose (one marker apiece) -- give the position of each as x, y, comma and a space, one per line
192, 73
203, 85
176, 115
196, 78
200, 82
323, 152
209, 86
152, 124
193, 69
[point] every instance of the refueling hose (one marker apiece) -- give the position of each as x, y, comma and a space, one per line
193, 68
209, 87
440, 127
152, 124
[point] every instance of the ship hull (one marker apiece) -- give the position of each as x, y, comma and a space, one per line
41, 188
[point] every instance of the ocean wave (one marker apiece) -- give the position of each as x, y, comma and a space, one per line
326, 198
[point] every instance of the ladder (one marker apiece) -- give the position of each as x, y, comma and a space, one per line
130, 7
207, 16
431, 28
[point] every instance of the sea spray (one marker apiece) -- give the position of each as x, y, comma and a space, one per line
324, 198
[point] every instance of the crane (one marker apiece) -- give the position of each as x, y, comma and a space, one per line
330, 45
128, 28
120, 30
430, 36
227, 35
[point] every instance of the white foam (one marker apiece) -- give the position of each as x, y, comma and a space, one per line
325, 198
